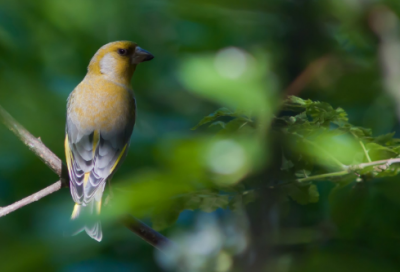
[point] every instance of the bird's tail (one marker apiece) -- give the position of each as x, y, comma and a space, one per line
88, 217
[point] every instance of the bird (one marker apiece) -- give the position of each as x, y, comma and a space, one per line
101, 113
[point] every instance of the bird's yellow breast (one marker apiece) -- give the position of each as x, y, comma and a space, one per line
100, 104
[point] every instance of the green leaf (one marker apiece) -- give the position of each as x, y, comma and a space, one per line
385, 139
218, 123
302, 194
215, 115
323, 114
286, 164
297, 100
294, 103
380, 152
313, 194
192, 202
207, 201
236, 202
166, 215
211, 203
302, 173
236, 125
249, 196
358, 132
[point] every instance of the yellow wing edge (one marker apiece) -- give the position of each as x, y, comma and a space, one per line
68, 152
118, 159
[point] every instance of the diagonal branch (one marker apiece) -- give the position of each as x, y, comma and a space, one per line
151, 236
50, 159
32, 198
34, 144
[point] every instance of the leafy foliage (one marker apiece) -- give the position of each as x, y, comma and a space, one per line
322, 145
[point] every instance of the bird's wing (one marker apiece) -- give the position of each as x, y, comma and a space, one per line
92, 157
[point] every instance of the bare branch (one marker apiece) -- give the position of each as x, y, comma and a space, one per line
151, 236
50, 159
32, 198
312, 71
34, 144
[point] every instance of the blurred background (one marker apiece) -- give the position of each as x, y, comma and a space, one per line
206, 189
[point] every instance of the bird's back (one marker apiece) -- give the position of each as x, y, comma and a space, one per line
100, 104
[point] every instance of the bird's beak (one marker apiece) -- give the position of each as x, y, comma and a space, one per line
141, 55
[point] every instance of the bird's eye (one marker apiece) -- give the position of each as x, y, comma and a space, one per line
122, 52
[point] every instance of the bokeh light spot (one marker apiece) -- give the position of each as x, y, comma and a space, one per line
226, 157
231, 62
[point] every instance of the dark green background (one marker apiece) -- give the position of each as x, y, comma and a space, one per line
45, 47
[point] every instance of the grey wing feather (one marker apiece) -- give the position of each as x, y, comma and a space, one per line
100, 163
107, 156
81, 160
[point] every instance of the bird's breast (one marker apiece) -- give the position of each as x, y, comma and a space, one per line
99, 104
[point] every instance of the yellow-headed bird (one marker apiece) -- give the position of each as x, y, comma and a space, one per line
100, 119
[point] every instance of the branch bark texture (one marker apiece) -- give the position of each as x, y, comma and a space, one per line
34, 144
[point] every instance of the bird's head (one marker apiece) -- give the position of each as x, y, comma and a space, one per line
117, 61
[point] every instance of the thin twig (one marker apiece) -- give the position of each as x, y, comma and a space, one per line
32, 198
324, 176
365, 151
50, 159
388, 162
34, 144
363, 147
351, 169
311, 72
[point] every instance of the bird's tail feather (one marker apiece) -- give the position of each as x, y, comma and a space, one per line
85, 215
